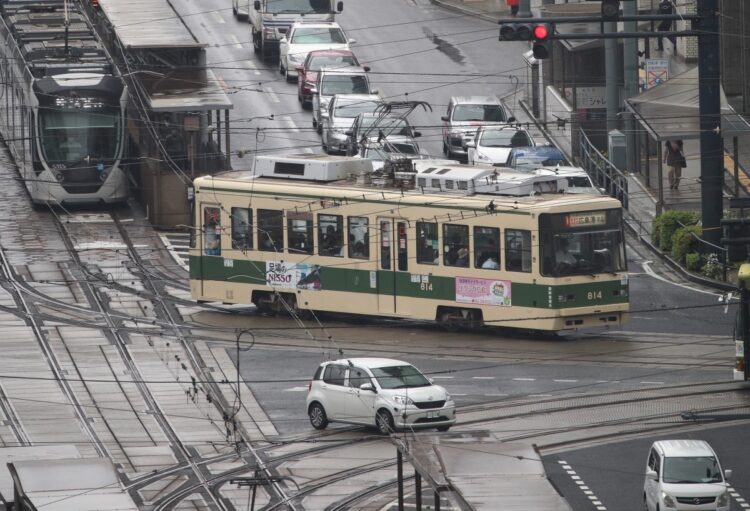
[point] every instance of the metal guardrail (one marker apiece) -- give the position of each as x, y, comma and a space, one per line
602, 171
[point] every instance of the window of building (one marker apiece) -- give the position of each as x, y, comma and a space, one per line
359, 237
242, 228
518, 250
212, 231
270, 230
456, 245
487, 248
428, 248
330, 235
299, 227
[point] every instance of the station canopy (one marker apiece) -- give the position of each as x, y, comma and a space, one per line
670, 111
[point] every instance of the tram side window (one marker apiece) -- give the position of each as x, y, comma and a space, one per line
487, 248
270, 230
359, 238
242, 228
300, 229
428, 251
212, 231
456, 245
330, 239
518, 250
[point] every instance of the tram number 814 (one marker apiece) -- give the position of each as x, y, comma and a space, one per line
594, 295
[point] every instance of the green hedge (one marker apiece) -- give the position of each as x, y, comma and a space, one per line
693, 261
684, 240
667, 223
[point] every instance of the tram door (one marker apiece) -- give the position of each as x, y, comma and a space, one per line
393, 264
210, 238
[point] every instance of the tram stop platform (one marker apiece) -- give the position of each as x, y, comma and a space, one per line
476, 471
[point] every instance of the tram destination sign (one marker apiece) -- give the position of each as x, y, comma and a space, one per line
586, 219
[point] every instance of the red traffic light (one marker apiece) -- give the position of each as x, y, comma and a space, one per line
541, 32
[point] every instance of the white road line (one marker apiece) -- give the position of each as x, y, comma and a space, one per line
582, 486
454, 394
524, 379
652, 273
290, 123
251, 65
296, 389
442, 377
237, 43
653, 382
271, 95
218, 17
495, 395
540, 395
482, 377
565, 381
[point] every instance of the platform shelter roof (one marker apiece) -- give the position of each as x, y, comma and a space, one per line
148, 24
670, 110
41, 452
186, 90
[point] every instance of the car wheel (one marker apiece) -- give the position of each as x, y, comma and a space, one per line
443, 428
315, 123
445, 150
320, 129
384, 422
318, 417
234, 11
282, 71
645, 503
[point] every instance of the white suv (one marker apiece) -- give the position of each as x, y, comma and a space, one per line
685, 474
388, 394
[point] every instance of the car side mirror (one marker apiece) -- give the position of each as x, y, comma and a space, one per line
349, 133
651, 474
256, 5
352, 41
727, 474
470, 143
313, 91
366, 68
511, 119
603, 191
417, 134
444, 118
375, 92
299, 69
367, 386
340, 6
282, 40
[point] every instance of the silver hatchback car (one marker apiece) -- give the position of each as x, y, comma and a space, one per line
385, 393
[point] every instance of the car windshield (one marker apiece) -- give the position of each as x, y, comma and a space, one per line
400, 377
527, 163
383, 153
317, 63
579, 182
503, 138
487, 113
372, 126
351, 109
318, 35
344, 84
691, 470
298, 6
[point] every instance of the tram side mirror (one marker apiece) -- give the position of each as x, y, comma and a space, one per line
367, 386
651, 474
340, 6
256, 5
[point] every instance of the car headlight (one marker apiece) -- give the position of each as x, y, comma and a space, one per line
402, 400
295, 57
723, 499
668, 500
448, 397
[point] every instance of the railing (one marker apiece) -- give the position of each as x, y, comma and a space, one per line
602, 171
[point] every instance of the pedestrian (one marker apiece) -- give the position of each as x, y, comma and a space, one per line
675, 160
513, 4
665, 8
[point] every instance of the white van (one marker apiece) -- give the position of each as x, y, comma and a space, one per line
685, 475
578, 179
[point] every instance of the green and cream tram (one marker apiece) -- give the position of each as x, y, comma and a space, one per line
457, 245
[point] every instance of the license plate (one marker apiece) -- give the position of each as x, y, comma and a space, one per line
432, 415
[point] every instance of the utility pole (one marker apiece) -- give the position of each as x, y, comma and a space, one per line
630, 76
524, 9
709, 100
610, 71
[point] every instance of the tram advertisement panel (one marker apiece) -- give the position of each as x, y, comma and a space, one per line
483, 291
293, 276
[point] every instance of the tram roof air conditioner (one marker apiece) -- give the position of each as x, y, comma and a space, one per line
311, 167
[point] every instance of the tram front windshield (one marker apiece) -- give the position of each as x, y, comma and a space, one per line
86, 131
582, 243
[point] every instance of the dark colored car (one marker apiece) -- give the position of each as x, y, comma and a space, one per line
315, 61
532, 158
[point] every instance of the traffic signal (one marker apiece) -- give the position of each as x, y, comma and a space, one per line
515, 32
541, 34
611, 8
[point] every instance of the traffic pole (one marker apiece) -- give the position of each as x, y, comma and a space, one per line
630, 76
712, 151
610, 71
524, 9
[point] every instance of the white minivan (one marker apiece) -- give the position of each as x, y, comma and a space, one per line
685, 475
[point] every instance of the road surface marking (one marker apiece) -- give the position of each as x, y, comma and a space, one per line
296, 389
482, 377
495, 395
290, 123
524, 379
237, 43
540, 395
442, 377
272, 95
565, 381
582, 486
219, 19
308, 150
653, 382
653, 274
251, 65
